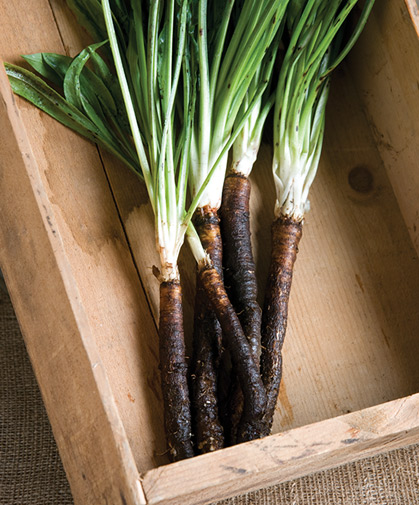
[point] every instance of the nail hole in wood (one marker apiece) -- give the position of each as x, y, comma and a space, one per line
361, 180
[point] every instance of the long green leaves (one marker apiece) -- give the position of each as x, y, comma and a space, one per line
84, 114
227, 66
316, 33
186, 81
141, 109
246, 146
152, 66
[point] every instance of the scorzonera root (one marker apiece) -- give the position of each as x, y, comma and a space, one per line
173, 369
207, 342
239, 277
239, 265
286, 234
246, 368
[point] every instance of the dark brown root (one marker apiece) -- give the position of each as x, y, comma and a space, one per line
177, 414
206, 343
239, 275
286, 235
247, 370
235, 410
239, 265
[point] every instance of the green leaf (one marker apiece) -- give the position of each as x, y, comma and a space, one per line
103, 84
71, 85
27, 85
59, 63
110, 83
354, 36
37, 61
85, 90
89, 15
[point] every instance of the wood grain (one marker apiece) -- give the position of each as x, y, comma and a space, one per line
285, 456
54, 323
352, 338
95, 241
385, 69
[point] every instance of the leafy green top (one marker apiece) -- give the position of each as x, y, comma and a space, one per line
315, 49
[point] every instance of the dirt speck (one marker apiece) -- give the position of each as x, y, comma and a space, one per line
287, 414
348, 441
386, 339
235, 470
353, 432
359, 281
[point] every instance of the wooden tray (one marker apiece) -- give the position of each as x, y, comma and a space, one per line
77, 247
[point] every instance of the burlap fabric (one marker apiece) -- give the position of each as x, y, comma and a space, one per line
31, 472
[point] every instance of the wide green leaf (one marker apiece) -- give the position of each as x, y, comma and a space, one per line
27, 85
39, 63
72, 86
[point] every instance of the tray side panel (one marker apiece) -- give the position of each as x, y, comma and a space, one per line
385, 69
72, 378
94, 240
285, 456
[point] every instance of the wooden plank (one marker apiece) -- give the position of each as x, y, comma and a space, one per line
385, 69
95, 243
285, 456
48, 304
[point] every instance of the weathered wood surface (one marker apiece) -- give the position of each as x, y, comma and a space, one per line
385, 69
51, 313
285, 456
94, 239
352, 339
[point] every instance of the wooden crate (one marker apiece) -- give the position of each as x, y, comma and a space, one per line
77, 249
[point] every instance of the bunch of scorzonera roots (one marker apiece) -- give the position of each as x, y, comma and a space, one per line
181, 91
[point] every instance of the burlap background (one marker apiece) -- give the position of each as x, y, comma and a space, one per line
31, 472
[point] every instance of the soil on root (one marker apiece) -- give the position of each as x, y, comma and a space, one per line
286, 235
173, 369
207, 343
246, 368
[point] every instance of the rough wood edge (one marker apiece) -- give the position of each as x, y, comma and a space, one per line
28, 230
285, 456
413, 8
